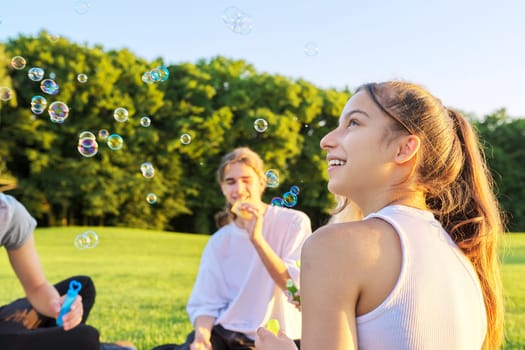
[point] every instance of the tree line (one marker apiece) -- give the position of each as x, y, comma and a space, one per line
215, 101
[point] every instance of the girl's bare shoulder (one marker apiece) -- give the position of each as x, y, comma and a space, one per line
354, 244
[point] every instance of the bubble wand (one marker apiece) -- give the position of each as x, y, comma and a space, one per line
72, 292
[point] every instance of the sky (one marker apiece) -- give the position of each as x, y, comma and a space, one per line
468, 53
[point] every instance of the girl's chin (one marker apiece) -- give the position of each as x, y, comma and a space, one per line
337, 188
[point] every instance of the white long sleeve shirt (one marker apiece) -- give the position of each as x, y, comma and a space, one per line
234, 286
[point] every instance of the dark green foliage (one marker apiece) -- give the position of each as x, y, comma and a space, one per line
503, 139
216, 101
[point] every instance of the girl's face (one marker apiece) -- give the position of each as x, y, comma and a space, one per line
241, 183
360, 160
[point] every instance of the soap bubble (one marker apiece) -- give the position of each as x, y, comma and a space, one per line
272, 178
35, 73
115, 142
260, 125
87, 147
185, 139
18, 62
87, 239
5, 93
86, 135
38, 104
147, 170
147, 78
277, 202
311, 49
161, 73
145, 122
49, 86
151, 198
82, 78
58, 112
103, 134
120, 114
295, 189
81, 7
289, 199
237, 21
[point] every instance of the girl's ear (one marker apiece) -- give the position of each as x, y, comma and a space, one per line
408, 148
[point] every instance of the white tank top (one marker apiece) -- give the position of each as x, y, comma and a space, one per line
437, 301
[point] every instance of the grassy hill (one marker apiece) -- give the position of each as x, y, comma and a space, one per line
144, 278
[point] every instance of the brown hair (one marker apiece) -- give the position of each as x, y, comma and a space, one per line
451, 170
247, 157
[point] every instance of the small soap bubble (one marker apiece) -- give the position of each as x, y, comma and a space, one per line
18, 62
85, 240
86, 135
272, 178
49, 86
82, 78
144, 166
35, 73
289, 199
52, 75
151, 198
103, 134
58, 112
5, 93
185, 139
38, 104
277, 202
81, 7
237, 21
260, 125
311, 49
145, 122
295, 189
120, 114
160, 73
147, 78
87, 147
147, 169
115, 142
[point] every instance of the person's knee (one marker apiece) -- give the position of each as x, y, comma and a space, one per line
84, 337
86, 281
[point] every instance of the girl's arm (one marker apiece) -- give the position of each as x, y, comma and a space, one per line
40, 293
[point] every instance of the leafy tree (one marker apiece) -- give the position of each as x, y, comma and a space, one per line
503, 138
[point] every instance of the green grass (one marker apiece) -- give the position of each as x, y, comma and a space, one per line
144, 278
514, 288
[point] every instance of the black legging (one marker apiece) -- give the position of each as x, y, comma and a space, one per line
22, 328
221, 339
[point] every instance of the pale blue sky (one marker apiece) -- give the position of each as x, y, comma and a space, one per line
469, 53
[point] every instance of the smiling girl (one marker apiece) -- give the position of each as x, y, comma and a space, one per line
420, 269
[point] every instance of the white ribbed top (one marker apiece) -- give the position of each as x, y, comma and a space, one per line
437, 301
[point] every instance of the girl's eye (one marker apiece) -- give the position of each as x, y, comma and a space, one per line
352, 122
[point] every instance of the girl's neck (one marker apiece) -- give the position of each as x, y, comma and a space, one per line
409, 199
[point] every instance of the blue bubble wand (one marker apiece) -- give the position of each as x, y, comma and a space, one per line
72, 292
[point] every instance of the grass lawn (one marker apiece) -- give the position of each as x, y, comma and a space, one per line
144, 278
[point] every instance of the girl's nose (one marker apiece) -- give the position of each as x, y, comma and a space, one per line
327, 141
